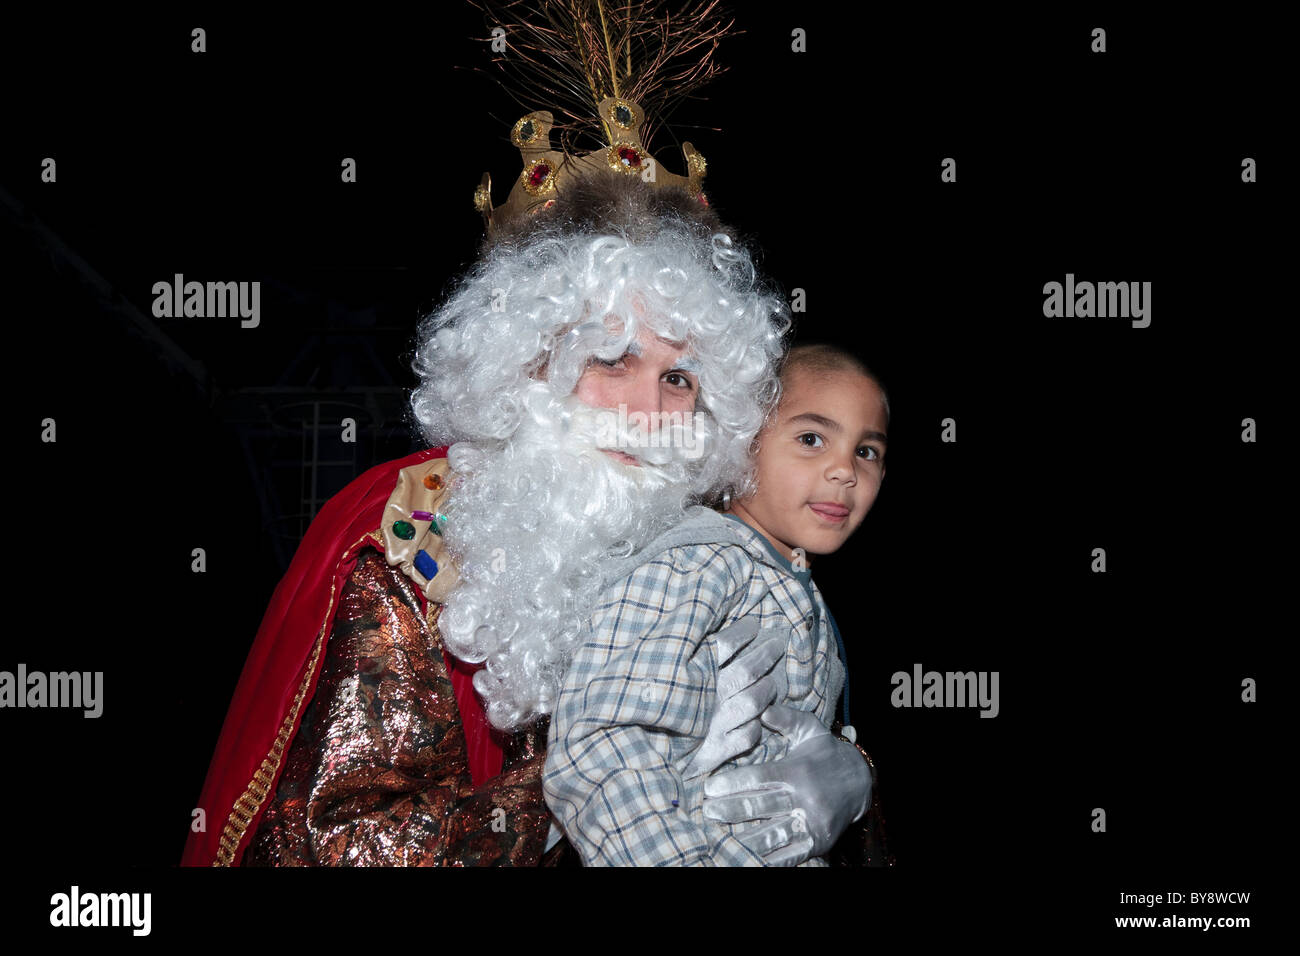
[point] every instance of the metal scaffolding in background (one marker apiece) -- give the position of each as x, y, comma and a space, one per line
291, 429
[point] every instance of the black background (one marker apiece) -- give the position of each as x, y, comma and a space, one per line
1119, 690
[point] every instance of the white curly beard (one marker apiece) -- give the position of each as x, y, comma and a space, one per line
531, 521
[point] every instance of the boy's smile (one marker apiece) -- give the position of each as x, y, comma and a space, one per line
820, 462
831, 511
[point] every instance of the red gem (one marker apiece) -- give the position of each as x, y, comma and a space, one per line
629, 156
539, 174
704, 199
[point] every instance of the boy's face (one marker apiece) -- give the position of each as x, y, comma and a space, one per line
820, 462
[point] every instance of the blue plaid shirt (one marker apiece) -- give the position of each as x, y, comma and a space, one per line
640, 693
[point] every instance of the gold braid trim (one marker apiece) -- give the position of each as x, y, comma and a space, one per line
250, 801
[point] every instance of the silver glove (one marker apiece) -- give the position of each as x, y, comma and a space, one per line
744, 691
807, 797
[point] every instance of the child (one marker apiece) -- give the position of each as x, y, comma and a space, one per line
639, 696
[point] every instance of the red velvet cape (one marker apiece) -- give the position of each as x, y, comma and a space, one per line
301, 611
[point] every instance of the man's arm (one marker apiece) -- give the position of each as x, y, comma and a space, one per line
636, 703
377, 774
807, 797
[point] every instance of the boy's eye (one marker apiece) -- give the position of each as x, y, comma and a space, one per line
812, 435
870, 449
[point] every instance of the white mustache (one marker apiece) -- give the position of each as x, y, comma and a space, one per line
681, 437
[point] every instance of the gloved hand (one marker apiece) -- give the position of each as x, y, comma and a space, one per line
744, 692
808, 797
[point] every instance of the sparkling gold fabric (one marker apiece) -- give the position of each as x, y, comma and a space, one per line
377, 774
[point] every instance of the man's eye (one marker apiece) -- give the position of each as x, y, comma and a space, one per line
812, 435
608, 363
682, 379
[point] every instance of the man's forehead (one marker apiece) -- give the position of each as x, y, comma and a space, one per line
686, 363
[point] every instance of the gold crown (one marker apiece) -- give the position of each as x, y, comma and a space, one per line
546, 170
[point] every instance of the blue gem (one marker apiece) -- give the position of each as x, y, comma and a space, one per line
425, 564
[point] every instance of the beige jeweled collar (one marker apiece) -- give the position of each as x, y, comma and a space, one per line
412, 529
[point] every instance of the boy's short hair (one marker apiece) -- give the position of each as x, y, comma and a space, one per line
823, 357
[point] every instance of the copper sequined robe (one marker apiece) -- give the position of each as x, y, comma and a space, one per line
377, 774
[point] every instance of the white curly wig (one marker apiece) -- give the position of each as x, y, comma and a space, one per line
499, 362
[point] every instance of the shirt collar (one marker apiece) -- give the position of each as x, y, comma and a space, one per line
780, 559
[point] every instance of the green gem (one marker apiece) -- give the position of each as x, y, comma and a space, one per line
404, 530
526, 131
622, 116
438, 519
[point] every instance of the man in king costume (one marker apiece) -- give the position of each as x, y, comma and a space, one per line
393, 708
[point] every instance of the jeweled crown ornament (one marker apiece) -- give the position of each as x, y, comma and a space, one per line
599, 65
546, 168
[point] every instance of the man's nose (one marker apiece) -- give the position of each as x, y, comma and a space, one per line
644, 394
